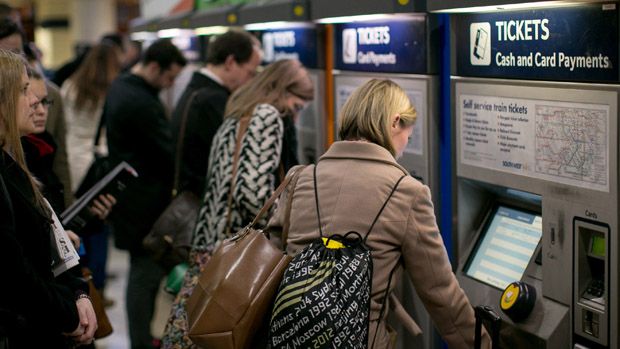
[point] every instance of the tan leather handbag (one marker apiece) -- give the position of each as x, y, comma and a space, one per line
237, 286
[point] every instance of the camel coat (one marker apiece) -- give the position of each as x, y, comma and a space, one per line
354, 179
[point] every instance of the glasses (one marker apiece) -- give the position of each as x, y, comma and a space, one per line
45, 102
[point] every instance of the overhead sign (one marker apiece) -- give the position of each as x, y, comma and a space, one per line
397, 46
291, 43
574, 44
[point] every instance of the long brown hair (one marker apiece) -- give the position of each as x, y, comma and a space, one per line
91, 81
271, 86
12, 68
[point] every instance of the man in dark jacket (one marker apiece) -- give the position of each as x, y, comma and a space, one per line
231, 61
138, 132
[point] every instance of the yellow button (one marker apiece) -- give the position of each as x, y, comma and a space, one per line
298, 10
333, 244
510, 295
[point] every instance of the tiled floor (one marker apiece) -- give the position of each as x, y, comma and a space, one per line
118, 267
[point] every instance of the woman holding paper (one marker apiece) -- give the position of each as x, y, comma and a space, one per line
37, 310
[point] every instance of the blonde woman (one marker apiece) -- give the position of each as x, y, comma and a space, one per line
354, 178
36, 309
277, 93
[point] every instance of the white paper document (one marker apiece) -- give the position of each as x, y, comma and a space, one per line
68, 256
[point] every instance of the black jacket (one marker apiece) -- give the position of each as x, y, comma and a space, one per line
40, 151
205, 115
138, 132
35, 307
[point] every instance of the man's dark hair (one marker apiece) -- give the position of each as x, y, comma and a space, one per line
5, 10
237, 43
8, 27
164, 53
113, 38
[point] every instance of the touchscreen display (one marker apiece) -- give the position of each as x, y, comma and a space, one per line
506, 247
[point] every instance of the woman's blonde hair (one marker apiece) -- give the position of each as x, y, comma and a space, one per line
12, 68
369, 111
271, 86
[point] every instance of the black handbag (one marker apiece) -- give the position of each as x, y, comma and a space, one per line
170, 238
100, 167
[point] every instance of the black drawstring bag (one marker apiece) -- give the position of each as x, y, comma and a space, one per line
324, 298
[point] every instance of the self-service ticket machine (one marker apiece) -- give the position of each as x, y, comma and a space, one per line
537, 172
285, 31
397, 47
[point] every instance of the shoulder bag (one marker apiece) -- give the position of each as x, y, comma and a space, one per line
170, 239
100, 167
237, 286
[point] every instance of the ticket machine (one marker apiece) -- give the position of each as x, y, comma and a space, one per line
535, 115
396, 47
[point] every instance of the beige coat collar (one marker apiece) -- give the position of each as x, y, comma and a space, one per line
362, 151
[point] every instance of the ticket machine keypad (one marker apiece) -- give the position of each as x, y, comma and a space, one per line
595, 289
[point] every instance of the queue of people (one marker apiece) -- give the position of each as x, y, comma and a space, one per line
235, 129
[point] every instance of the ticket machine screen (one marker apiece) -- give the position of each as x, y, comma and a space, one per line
505, 247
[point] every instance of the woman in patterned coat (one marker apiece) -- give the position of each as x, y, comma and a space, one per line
265, 106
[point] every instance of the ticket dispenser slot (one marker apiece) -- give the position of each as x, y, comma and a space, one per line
591, 287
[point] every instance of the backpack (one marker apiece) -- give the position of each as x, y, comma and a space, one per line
323, 300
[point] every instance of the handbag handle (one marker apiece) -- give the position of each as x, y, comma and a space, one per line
275, 195
243, 126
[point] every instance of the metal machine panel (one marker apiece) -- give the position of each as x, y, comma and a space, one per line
274, 10
326, 8
559, 142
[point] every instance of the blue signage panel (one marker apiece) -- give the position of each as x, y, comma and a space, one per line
293, 43
574, 44
397, 46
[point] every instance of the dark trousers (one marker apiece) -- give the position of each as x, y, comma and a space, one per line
144, 280
96, 245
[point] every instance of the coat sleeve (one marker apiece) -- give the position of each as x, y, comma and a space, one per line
426, 262
59, 133
42, 301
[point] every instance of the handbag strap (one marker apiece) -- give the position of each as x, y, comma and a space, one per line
180, 138
243, 126
294, 176
100, 128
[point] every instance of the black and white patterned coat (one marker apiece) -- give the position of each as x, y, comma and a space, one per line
259, 158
